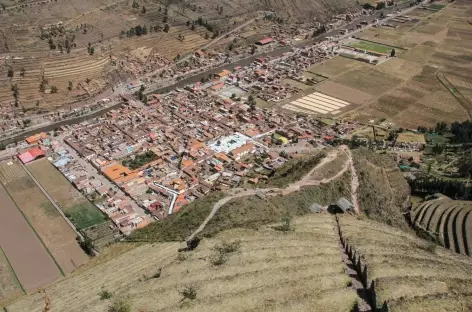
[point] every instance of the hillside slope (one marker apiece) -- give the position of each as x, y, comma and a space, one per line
301, 10
268, 270
409, 274
383, 192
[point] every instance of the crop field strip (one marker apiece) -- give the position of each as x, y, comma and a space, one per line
49, 225
251, 273
317, 103
32, 263
82, 212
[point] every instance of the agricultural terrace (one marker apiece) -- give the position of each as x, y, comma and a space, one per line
140, 160
75, 206
238, 270
449, 219
55, 233
410, 274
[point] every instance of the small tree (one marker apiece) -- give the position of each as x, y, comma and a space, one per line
69, 87
105, 294
22, 72
53, 89
143, 10
392, 53
166, 28
188, 23
135, 4
10, 72
206, 36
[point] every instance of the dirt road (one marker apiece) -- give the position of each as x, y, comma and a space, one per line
295, 186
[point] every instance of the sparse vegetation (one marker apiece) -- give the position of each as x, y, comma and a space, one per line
120, 305
105, 294
285, 225
189, 292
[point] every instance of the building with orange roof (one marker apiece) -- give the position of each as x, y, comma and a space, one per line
36, 138
239, 152
222, 157
115, 171
224, 73
187, 163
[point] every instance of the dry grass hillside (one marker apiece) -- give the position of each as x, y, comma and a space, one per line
308, 9
409, 273
383, 192
265, 270
302, 269
448, 221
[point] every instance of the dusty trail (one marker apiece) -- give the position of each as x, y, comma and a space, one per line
293, 187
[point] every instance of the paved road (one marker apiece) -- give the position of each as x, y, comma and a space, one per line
53, 202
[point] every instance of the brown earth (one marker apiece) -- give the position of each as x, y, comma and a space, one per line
28, 257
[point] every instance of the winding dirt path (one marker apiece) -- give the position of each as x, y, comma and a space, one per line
293, 187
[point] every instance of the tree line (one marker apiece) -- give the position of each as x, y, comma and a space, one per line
431, 185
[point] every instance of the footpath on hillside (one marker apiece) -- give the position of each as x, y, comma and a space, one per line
294, 186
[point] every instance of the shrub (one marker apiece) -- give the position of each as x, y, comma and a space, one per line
189, 292
286, 224
120, 305
218, 259
226, 248
105, 294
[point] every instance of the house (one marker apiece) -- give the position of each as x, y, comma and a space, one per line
342, 205
30, 155
265, 41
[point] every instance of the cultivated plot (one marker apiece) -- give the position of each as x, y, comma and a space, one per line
31, 261
75, 206
317, 103
56, 234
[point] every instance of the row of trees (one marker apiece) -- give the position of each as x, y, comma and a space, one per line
143, 30
429, 185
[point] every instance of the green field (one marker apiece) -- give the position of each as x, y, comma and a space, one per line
370, 46
436, 6
260, 103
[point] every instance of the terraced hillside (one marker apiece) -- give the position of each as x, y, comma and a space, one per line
300, 270
409, 274
303, 269
447, 220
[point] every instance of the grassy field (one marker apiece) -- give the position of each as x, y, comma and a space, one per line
411, 137
263, 104
76, 207
371, 46
333, 67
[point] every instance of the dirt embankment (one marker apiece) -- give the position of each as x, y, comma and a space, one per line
383, 192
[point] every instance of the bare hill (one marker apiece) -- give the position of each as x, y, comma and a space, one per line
448, 221
303, 269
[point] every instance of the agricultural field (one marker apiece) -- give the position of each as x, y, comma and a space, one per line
27, 255
56, 234
407, 90
75, 206
10, 287
334, 66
